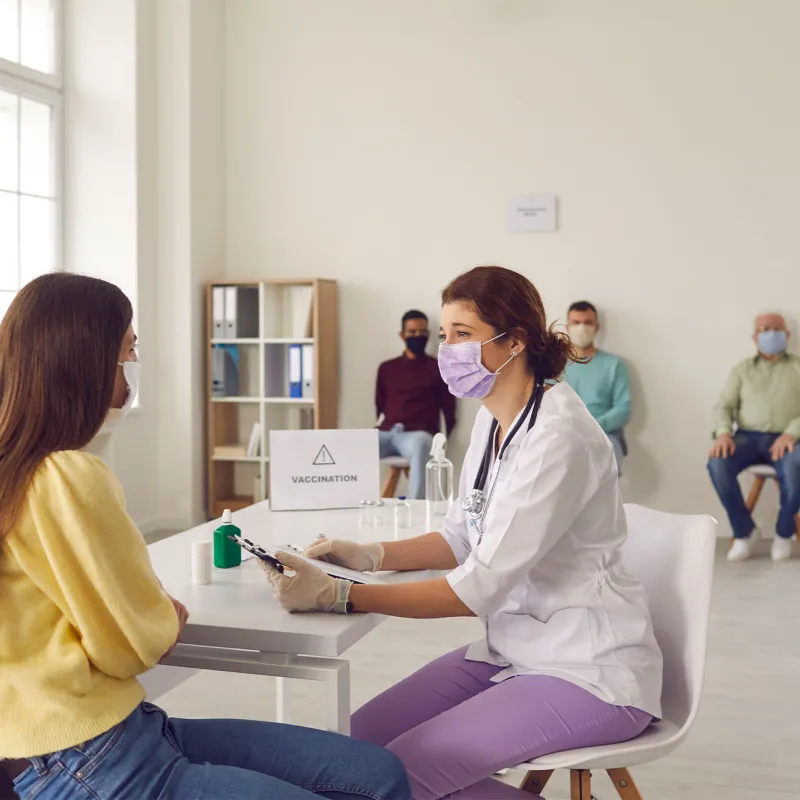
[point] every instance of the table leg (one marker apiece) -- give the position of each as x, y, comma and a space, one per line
338, 696
334, 672
160, 680
283, 700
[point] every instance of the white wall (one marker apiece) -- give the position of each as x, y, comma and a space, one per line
378, 143
106, 222
144, 208
190, 186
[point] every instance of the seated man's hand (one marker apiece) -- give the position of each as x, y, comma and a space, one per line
723, 446
783, 444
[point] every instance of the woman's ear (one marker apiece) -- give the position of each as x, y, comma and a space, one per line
517, 343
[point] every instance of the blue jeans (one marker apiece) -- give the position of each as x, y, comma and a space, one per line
753, 448
413, 445
151, 757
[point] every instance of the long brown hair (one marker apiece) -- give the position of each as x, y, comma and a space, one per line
59, 347
510, 303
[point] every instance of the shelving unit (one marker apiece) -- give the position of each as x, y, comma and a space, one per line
290, 312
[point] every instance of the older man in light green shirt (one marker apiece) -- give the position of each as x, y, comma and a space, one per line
758, 422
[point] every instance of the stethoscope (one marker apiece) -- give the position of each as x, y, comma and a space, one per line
476, 503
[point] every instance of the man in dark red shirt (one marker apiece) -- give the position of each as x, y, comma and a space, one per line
411, 398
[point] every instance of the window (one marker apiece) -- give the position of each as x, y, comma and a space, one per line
30, 142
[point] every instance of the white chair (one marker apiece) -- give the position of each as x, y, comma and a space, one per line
673, 556
761, 474
397, 466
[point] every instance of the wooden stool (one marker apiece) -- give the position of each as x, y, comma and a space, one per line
398, 466
761, 474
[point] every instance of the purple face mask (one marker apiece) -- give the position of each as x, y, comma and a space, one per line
462, 370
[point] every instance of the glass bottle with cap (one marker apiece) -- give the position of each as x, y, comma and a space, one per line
438, 479
402, 513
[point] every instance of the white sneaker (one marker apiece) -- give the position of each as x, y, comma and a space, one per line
781, 549
742, 549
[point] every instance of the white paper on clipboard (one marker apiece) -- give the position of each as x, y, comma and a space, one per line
331, 569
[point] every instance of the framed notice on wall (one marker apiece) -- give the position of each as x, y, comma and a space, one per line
312, 470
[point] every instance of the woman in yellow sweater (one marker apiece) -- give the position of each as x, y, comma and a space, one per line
81, 611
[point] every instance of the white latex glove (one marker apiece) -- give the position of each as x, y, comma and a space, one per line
363, 557
310, 589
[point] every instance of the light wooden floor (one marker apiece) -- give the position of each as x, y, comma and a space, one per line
745, 745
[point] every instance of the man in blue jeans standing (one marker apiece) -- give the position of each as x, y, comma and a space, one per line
758, 422
411, 399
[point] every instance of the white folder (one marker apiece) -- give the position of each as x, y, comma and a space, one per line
218, 311
308, 371
294, 389
231, 297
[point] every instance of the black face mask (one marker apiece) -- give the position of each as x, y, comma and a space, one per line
417, 344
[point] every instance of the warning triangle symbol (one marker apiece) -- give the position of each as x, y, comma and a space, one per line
323, 457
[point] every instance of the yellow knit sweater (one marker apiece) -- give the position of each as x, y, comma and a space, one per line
81, 610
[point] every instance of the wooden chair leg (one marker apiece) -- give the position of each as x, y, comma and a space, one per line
580, 784
624, 784
535, 781
755, 492
392, 479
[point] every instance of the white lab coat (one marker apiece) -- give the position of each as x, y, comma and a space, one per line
547, 579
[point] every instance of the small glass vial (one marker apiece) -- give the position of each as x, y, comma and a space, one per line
402, 513
379, 508
366, 514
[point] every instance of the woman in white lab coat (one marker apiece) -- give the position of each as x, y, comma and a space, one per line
534, 543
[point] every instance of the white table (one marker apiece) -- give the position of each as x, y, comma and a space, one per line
237, 626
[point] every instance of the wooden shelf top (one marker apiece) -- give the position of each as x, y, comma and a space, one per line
267, 340
235, 399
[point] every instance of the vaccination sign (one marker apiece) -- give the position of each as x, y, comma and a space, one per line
312, 470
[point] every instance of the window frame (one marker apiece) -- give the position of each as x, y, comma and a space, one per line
47, 88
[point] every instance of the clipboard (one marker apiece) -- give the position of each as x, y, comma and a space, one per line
330, 569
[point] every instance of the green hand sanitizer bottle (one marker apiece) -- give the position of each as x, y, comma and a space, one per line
226, 553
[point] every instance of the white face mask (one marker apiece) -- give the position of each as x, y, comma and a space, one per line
132, 371
581, 334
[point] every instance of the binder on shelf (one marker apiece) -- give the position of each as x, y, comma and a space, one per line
254, 445
218, 311
224, 370
295, 370
241, 312
230, 311
307, 372
306, 419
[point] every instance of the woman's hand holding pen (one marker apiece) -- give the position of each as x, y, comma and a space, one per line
309, 589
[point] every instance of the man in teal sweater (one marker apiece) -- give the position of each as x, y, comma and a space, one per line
602, 381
